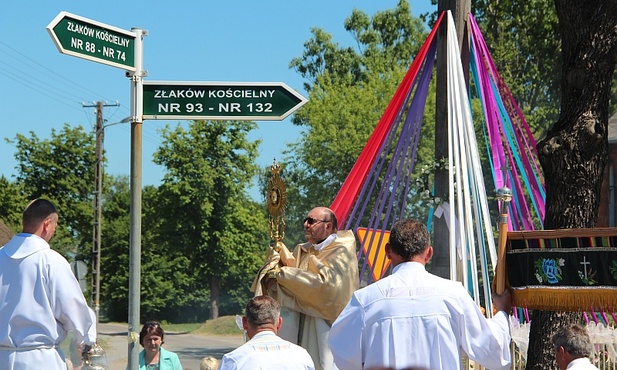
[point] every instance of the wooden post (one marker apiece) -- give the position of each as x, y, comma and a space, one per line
460, 9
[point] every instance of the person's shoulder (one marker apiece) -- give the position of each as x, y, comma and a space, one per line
228, 362
344, 235
370, 293
344, 239
54, 254
24, 245
234, 359
167, 353
296, 346
450, 288
55, 258
237, 352
441, 282
301, 351
304, 246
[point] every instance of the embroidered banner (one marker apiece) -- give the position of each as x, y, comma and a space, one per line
563, 270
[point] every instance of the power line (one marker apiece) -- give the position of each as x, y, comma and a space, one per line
29, 85
38, 88
45, 70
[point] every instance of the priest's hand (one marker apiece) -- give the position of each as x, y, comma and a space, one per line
503, 302
273, 273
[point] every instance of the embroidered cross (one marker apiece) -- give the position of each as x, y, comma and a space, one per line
585, 263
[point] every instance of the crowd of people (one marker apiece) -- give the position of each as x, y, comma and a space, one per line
307, 312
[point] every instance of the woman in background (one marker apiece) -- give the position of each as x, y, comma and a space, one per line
154, 356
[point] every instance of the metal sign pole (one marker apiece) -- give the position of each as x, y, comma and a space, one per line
135, 213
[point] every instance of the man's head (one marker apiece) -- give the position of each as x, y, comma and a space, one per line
40, 218
409, 240
319, 224
571, 342
262, 313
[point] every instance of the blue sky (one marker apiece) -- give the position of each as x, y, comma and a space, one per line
237, 41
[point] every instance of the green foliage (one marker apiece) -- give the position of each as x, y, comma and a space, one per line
389, 37
214, 226
115, 236
612, 104
60, 169
348, 92
167, 291
523, 37
166, 284
12, 203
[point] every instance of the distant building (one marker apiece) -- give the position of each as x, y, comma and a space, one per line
5, 233
608, 209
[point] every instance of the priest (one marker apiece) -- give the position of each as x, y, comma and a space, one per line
313, 283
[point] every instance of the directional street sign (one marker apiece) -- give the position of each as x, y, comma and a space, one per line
256, 101
84, 38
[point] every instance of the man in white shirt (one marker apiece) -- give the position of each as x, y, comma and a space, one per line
40, 299
413, 319
573, 348
265, 350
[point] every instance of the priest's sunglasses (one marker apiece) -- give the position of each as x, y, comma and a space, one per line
311, 220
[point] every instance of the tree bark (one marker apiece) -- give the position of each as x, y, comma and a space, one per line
575, 150
215, 290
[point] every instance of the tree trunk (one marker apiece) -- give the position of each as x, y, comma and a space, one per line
575, 150
215, 289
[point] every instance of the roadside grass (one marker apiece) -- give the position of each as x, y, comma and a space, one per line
224, 325
180, 328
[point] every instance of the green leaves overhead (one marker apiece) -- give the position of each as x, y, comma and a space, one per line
349, 89
61, 169
209, 166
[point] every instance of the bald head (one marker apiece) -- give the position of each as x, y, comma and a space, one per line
319, 224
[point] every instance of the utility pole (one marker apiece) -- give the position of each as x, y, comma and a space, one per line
460, 9
98, 196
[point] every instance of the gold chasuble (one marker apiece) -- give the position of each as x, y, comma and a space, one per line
313, 287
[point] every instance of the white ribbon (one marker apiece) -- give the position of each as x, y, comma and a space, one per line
444, 210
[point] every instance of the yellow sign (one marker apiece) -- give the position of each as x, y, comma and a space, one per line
374, 247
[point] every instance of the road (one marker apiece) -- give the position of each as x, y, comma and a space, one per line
190, 348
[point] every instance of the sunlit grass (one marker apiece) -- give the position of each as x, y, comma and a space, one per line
224, 325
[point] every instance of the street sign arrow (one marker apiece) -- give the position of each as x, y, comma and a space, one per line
84, 38
256, 101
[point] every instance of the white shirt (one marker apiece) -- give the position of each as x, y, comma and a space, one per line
415, 319
325, 243
40, 301
581, 364
267, 351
